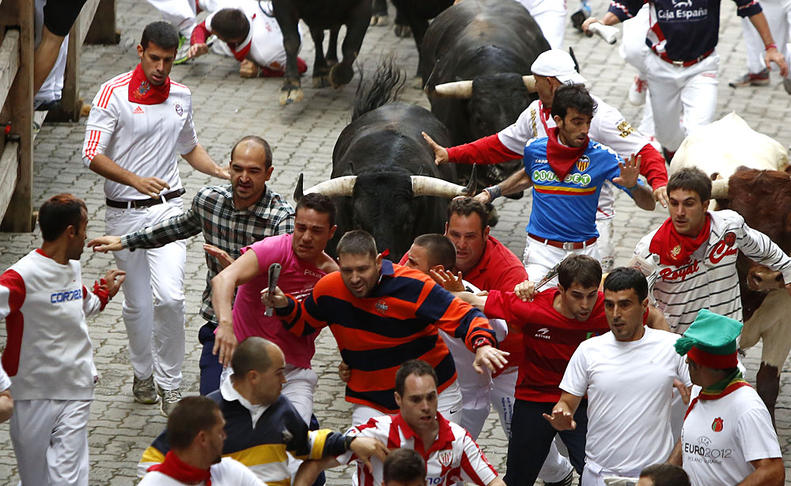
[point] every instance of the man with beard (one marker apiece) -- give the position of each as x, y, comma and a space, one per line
230, 217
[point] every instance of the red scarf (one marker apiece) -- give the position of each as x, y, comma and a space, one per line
674, 249
181, 471
143, 92
560, 157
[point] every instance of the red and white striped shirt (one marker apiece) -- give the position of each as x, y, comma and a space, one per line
454, 456
143, 139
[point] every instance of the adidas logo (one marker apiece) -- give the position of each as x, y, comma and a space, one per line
138, 110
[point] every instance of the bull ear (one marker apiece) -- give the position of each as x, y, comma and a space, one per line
469, 190
298, 192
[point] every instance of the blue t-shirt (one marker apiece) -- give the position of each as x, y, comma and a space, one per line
566, 210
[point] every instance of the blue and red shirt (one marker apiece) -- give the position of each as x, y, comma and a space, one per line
566, 210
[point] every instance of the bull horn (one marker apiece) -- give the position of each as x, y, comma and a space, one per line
530, 83
431, 186
719, 189
298, 192
337, 187
456, 89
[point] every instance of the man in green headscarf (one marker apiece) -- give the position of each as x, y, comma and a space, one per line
727, 437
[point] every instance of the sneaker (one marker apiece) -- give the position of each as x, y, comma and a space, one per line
637, 91
787, 85
168, 399
751, 79
567, 481
144, 391
183, 51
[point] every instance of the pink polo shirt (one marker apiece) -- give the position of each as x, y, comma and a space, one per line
296, 278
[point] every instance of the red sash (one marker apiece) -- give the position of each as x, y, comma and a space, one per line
143, 92
673, 248
181, 471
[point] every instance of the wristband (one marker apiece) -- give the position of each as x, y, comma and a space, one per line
347, 441
771, 46
494, 192
481, 341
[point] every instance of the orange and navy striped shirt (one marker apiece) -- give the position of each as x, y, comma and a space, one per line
397, 322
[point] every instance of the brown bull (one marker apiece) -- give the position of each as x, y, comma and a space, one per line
763, 199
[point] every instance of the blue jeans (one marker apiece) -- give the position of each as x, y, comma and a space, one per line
210, 366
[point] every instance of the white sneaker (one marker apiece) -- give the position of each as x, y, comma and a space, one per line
168, 399
637, 91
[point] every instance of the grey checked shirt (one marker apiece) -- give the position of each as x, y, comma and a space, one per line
223, 226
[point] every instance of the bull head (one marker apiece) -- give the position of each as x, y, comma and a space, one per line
421, 186
463, 89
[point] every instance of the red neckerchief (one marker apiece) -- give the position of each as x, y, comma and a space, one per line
181, 471
444, 435
141, 90
674, 249
560, 157
734, 385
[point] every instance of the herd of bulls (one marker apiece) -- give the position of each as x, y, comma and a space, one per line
474, 58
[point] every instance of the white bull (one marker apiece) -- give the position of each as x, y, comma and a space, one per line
720, 147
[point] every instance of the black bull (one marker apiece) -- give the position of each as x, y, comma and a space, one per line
491, 44
380, 152
321, 15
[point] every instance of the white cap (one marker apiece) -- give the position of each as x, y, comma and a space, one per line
556, 63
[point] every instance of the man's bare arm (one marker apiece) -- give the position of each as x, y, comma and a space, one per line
309, 470
562, 417
768, 472
516, 182
199, 159
223, 285
106, 167
676, 457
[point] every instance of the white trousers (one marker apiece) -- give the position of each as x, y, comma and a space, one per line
675, 91
594, 474
448, 404
53, 86
778, 15
550, 15
153, 308
300, 383
606, 243
539, 258
50, 439
180, 13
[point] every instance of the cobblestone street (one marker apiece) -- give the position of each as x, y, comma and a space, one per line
302, 136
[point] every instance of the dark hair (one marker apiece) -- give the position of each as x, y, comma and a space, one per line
191, 415
691, 179
58, 213
356, 242
404, 465
466, 206
625, 278
416, 367
319, 203
230, 24
666, 475
161, 34
260, 141
251, 354
439, 248
572, 96
581, 269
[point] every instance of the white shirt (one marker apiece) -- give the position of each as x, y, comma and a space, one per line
230, 394
453, 457
48, 352
629, 387
227, 472
264, 38
143, 139
720, 437
710, 280
608, 127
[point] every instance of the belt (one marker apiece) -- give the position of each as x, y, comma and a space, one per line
565, 245
663, 56
144, 203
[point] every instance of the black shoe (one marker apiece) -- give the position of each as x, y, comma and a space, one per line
567, 481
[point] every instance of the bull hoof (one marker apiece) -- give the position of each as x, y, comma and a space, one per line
341, 74
379, 20
321, 81
291, 95
402, 31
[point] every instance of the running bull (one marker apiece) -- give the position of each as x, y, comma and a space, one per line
473, 62
321, 15
384, 179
